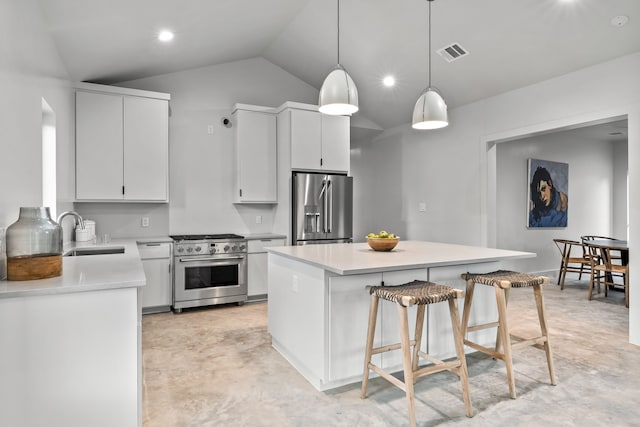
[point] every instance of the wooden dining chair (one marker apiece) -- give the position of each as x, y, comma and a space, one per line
596, 274
616, 255
575, 258
607, 271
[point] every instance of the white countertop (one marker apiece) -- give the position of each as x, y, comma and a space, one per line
358, 258
263, 236
86, 273
155, 239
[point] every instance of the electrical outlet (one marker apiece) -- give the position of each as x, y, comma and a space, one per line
258, 219
145, 221
422, 207
294, 283
210, 129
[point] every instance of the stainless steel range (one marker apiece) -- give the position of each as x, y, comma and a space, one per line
209, 269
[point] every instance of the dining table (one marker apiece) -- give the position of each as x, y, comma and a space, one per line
614, 244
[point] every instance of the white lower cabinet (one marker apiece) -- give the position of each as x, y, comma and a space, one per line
156, 261
71, 359
257, 273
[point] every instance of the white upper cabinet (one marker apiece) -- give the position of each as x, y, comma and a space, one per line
99, 149
306, 139
146, 149
336, 147
319, 141
122, 145
255, 152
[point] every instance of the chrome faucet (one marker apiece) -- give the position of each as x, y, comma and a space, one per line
78, 218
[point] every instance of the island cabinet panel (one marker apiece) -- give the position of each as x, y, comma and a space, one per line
390, 323
296, 315
348, 316
349, 303
484, 310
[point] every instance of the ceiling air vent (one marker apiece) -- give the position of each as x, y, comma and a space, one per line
452, 52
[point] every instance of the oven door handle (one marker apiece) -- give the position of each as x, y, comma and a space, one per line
209, 259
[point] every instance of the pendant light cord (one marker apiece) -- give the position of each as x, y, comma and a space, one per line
429, 1
338, 32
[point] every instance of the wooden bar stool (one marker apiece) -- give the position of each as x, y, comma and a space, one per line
503, 281
417, 293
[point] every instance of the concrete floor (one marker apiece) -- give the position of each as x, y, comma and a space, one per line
216, 367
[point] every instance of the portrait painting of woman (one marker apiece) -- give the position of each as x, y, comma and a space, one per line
548, 189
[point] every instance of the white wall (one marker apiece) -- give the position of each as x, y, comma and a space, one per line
619, 206
30, 69
590, 192
201, 165
451, 169
375, 164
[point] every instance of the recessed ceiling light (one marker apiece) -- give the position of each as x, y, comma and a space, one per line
389, 81
165, 36
619, 21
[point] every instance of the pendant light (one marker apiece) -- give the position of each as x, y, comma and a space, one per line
338, 94
430, 111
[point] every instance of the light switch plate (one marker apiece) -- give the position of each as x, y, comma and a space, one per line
145, 221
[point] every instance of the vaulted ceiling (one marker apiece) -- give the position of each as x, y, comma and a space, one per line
510, 43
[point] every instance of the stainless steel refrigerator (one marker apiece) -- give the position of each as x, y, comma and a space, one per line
322, 208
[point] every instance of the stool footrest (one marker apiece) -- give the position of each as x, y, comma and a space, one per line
386, 375
436, 361
429, 357
390, 347
484, 349
483, 326
442, 366
528, 342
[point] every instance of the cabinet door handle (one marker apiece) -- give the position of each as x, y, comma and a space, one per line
152, 244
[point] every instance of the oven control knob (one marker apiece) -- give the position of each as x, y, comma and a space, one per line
226, 248
189, 249
198, 248
234, 248
180, 249
242, 247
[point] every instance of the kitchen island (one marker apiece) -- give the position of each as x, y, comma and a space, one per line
71, 345
319, 305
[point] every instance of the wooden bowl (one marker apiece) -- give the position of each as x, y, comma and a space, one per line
382, 244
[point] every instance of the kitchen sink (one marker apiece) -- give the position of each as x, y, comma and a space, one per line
95, 251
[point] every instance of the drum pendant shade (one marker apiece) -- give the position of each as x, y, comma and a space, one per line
338, 94
430, 111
